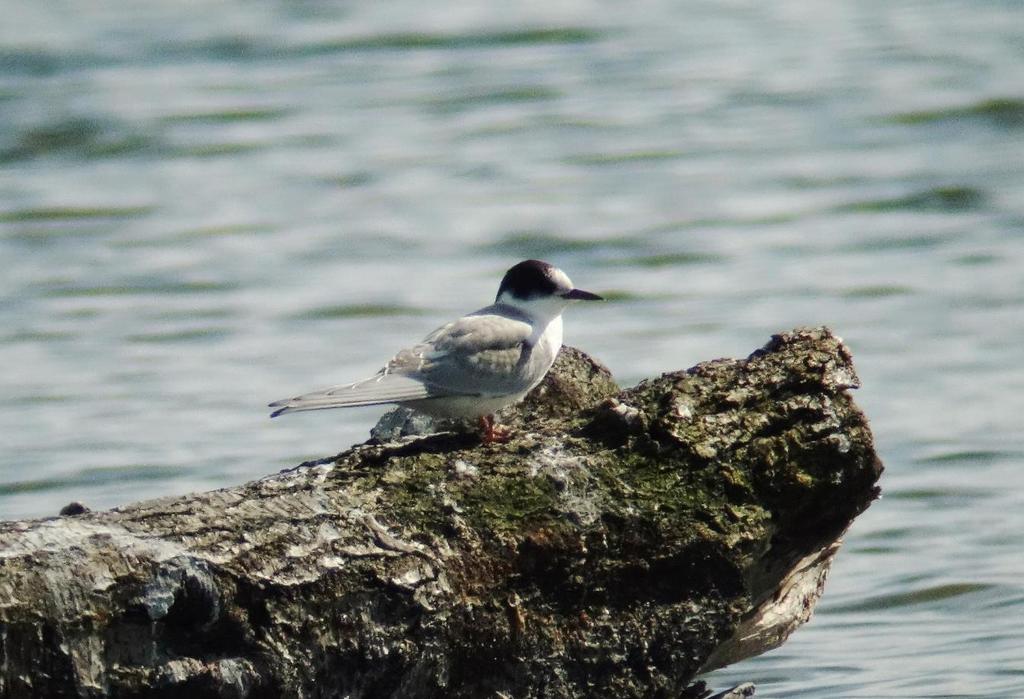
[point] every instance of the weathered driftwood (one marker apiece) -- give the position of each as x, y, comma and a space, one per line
621, 543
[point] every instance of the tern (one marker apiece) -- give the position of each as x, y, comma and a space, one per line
474, 366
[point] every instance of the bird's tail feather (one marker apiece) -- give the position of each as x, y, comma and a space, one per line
387, 388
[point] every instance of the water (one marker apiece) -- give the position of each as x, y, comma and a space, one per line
202, 211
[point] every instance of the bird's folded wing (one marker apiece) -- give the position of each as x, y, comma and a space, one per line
480, 354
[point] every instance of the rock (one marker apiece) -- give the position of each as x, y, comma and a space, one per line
619, 544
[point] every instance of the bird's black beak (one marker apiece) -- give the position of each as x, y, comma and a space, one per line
581, 295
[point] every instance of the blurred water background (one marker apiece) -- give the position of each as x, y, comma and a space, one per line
207, 206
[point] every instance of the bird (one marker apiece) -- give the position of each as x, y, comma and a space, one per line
475, 365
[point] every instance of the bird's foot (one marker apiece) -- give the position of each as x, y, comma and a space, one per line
492, 433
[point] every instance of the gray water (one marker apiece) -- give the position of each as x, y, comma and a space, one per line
205, 207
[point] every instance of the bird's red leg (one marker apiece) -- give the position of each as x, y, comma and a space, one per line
492, 433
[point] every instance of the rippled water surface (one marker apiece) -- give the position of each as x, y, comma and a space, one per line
204, 209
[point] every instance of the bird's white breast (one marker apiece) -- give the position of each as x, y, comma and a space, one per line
548, 340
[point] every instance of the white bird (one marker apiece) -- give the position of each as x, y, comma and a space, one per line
473, 366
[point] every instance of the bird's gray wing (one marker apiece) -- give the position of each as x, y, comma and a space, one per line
475, 355
479, 354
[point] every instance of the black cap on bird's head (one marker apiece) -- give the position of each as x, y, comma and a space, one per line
533, 279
